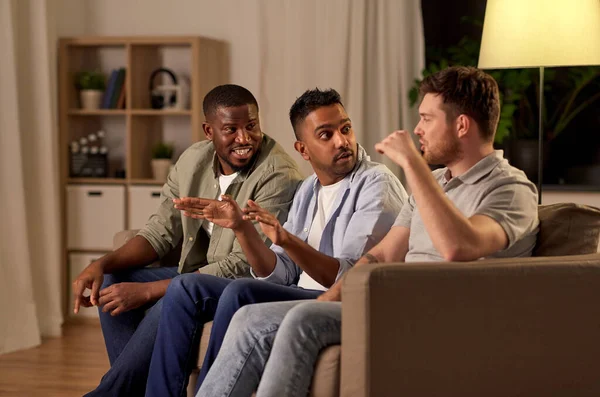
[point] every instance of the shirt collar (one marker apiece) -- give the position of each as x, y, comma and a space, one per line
481, 168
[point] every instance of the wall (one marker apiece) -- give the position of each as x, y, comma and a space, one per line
233, 21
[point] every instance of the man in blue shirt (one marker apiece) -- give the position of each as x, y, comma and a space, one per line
340, 212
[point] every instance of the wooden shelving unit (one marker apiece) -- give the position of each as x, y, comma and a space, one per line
199, 63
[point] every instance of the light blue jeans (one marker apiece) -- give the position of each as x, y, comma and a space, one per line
276, 344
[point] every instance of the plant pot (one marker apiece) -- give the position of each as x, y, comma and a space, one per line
90, 99
160, 169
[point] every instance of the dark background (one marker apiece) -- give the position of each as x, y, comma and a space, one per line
572, 160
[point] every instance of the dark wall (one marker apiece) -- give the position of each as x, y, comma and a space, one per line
441, 20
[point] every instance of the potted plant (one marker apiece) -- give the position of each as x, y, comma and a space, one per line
162, 154
91, 85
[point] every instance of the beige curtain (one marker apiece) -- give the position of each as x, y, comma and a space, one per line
369, 50
30, 270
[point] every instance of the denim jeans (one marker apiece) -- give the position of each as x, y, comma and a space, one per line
191, 301
129, 337
276, 344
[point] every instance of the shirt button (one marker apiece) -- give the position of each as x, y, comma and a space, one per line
305, 230
215, 186
191, 239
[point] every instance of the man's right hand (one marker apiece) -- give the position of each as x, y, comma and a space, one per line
91, 278
225, 213
334, 294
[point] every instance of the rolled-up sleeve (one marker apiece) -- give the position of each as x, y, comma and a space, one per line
163, 230
274, 193
381, 199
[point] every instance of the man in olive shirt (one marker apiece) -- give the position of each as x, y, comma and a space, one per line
237, 159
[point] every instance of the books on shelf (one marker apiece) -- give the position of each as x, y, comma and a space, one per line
114, 96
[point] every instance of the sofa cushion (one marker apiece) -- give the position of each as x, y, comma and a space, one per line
326, 377
567, 229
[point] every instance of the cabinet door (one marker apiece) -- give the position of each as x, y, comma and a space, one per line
143, 202
78, 262
94, 214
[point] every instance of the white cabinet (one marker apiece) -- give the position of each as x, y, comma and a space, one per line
94, 214
78, 262
143, 201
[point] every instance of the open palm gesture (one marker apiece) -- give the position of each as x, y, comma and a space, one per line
225, 213
268, 223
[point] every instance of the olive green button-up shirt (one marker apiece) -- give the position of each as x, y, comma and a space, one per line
271, 181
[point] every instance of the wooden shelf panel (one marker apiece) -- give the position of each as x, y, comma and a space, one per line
98, 112
145, 181
104, 41
97, 181
157, 112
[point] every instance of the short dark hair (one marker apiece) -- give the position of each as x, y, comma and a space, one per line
227, 96
467, 90
310, 101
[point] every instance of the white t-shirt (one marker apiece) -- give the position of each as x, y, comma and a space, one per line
327, 196
224, 182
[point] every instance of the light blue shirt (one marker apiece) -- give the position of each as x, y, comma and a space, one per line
367, 204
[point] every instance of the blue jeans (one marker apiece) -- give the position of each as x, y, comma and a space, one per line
278, 342
129, 337
187, 306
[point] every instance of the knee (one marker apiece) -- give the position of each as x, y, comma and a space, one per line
241, 291
305, 317
110, 279
179, 286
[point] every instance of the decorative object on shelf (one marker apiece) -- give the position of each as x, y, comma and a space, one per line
166, 96
114, 97
162, 153
538, 33
89, 157
91, 87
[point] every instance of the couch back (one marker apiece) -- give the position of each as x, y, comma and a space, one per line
568, 229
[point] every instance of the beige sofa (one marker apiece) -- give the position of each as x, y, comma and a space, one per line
510, 327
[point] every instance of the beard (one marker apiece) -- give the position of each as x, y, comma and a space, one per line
445, 152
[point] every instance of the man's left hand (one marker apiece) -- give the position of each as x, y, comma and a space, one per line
122, 297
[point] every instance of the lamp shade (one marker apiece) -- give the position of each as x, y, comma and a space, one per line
534, 33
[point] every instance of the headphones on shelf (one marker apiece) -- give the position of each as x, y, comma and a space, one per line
158, 99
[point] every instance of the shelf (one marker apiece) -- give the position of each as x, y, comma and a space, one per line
97, 181
157, 112
147, 181
98, 112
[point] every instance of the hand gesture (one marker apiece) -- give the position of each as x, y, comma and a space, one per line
90, 278
399, 147
122, 297
225, 213
268, 223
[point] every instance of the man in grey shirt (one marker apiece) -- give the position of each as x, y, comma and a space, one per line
478, 206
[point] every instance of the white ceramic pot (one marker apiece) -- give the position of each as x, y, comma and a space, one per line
90, 99
160, 169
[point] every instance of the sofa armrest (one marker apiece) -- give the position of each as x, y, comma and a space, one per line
522, 326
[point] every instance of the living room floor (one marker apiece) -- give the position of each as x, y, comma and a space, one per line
68, 366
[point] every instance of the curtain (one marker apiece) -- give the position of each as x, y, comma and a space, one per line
370, 51
30, 257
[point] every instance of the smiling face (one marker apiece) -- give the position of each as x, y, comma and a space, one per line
236, 135
327, 141
437, 135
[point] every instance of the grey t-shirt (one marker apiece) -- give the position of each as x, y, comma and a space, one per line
492, 187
